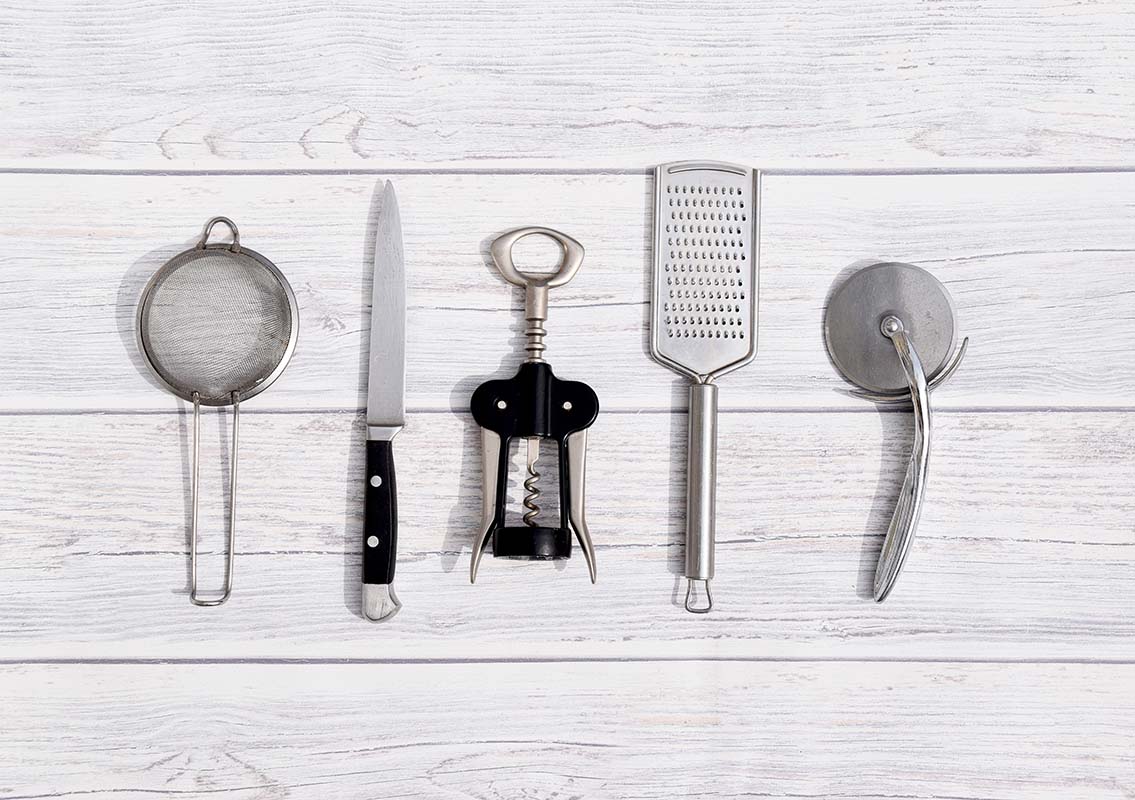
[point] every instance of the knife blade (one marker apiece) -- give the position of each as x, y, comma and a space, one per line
386, 411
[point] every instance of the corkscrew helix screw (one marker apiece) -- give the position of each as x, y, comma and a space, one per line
531, 483
534, 405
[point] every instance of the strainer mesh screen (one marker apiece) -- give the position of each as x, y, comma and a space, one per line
216, 322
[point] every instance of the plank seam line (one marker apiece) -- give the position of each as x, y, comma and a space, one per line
865, 408
794, 172
1118, 662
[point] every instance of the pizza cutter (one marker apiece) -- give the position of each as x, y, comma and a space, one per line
873, 320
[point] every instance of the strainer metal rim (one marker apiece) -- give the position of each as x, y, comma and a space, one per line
164, 269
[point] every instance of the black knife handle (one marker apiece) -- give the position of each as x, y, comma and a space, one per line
380, 519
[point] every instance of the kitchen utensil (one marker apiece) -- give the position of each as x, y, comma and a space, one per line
534, 405
217, 324
386, 411
873, 316
704, 316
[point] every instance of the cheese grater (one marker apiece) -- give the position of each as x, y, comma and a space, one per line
704, 316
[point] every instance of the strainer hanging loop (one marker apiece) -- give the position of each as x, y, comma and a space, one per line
234, 247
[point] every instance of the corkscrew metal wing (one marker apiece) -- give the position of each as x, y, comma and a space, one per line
535, 406
871, 325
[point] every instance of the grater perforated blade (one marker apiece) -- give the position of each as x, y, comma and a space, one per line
704, 306
704, 315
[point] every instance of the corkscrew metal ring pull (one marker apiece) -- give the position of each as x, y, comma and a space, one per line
536, 286
873, 316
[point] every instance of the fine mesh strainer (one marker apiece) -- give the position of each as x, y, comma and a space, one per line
217, 325
703, 320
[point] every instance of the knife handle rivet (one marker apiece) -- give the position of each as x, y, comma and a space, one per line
376, 481
372, 541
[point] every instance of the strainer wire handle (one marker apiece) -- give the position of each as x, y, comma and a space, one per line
235, 246
228, 585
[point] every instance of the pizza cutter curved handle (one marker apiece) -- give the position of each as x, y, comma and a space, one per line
904, 522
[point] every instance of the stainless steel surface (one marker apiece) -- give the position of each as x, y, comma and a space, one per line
704, 314
379, 602
869, 338
856, 309
217, 324
216, 319
706, 256
386, 379
691, 601
701, 480
942, 376
536, 286
577, 468
532, 482
900, 533
226, 589
490, 458
382, 433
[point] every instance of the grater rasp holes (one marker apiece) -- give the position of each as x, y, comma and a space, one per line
706, 262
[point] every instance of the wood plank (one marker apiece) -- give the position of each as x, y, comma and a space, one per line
1024, 550
1039, 266
553, 730
583, 84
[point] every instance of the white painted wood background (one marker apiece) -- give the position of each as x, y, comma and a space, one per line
988, 141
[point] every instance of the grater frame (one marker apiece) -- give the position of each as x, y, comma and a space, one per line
736, 195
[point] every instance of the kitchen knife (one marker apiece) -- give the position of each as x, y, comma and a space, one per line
386, 411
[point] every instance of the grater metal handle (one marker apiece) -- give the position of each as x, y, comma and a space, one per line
701, 482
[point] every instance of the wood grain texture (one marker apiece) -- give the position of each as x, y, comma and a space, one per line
551, 731
1040, 268
127, 124
289, 83
1024, 550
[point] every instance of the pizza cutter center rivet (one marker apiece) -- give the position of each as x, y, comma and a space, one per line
891, 326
